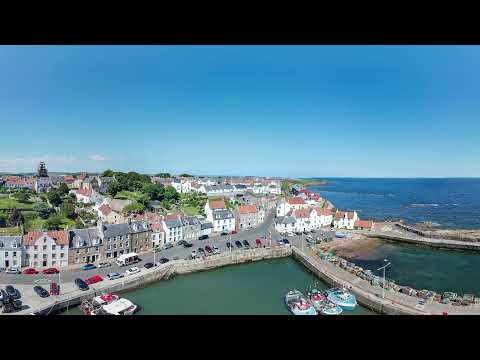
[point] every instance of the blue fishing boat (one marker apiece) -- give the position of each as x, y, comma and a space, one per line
340, 235
342, 297
298, 304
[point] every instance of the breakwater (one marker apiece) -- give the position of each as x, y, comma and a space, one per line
456, 235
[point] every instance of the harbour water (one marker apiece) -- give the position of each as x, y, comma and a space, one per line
426, 268
451, 203
248, 289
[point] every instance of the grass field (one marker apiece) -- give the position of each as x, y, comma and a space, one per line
128, 195
190, 210
8, 203
39, 224
9, 231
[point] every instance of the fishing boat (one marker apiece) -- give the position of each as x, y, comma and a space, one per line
340, 235
342, 297
298, 304
316, 297
329, 308
108, 304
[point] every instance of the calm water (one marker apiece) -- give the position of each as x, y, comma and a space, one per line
426, 268
452, 203
248, 289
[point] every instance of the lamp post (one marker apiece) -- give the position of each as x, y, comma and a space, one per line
383, 268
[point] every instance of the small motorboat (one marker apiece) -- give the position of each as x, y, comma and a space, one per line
108, 304
329, 308
316, 298
340, 235
342, 297
298, 304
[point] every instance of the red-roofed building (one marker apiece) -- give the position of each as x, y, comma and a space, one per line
248, 216
363, 225
292, 201
106, 214
86, 196
212, 205
345, 219
46, 249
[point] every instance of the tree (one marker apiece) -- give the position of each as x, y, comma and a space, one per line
163, 175
108, 173
22, 196
68, 209
171, 194
3, 220
63, 189
54, 197
134, 207
16, 217
41, 209
53, 222
154, 191
185, 175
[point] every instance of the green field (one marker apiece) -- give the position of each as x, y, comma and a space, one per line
8, 203
9, 231
129, 195
39, 224
190, 210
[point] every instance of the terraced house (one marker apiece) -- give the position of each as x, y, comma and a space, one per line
11, 251
85, 246
191, 227
45, 249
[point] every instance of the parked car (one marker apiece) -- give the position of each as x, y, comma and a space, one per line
89, 267
229, 244
30, 271
163, 260
246, 243
13, 270
54, 289
233, 232
201, 251
168, 246
186, 244
3, 296
93, 280
12, 293
81, 284
216, 250
11, 306
114, 275
193, 254
104, 265
280, 242
238, 244
50, 271
286, 242
148, 265
258, 243
203, 237
223, 233
181, 242
132, 270
41, 291
208, 249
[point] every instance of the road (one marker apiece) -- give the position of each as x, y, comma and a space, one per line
176, 251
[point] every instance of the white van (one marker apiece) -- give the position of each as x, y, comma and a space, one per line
127, 259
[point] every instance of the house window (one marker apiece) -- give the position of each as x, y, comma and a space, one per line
53, 256
6, 253
84, 259
54, 247
62, 247
44, 240
53, 262
61, 255
77, 260
44, 247
35, 248
14, 254
109, 255
35, 256
96, 249
121, 245
44, 256
126, 244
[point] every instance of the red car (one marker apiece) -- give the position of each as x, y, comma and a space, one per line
50, 271
208, 249
258, 242
30, 271
233, 232
93, 280
54, 289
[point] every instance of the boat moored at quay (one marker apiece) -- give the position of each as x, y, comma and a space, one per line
298, 305
342, 297
108, 304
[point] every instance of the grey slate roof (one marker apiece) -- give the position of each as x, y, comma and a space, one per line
8, 242
206, 225
139, 226
86, 237
190, 220
112, 230
173, 223
285, 220
222, 214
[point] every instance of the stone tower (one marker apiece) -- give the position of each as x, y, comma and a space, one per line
42, 170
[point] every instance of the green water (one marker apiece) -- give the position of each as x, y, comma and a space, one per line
426, 268
248, 289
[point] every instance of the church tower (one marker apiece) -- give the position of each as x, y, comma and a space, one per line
42, 170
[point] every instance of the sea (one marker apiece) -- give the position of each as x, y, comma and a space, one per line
449, 203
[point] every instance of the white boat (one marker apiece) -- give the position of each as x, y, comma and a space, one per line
108, 304
298, 305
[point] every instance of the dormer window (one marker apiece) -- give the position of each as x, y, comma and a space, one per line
44, 240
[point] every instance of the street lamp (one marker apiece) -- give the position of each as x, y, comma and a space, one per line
383, 268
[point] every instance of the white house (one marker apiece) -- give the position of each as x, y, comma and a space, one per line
285, 224
223, 220
158, 235
173, 228
345, 219
211, 206
86, 196
186, 186
177, 184
302, 220
291, 204
320, 217
46, 249
11, 251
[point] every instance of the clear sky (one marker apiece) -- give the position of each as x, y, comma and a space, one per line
299, 111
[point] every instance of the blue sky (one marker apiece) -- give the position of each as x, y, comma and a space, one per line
300, 111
